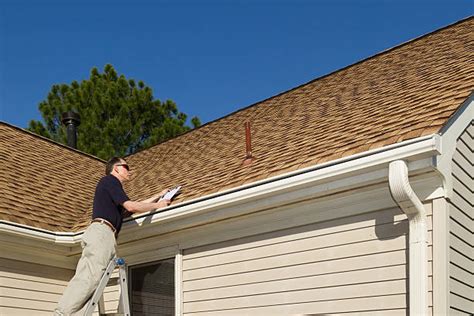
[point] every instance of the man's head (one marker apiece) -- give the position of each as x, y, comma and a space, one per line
119, 168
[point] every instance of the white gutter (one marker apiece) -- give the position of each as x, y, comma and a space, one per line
426, 146
411, 205
39, 233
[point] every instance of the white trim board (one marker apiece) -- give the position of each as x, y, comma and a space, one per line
342, 174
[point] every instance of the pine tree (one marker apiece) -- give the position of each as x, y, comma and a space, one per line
118, 116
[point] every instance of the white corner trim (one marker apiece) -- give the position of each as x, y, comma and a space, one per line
411, 205
449, 136
178, 281
441, 257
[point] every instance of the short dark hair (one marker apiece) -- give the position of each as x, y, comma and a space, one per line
111, 163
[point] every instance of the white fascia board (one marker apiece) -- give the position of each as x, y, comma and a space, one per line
342, 174
366, 167
449, 136
38, 234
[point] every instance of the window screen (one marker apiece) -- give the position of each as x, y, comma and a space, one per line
152, 289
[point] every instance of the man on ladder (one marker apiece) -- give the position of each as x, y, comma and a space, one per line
99, 239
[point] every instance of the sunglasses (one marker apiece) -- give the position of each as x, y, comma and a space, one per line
125, 166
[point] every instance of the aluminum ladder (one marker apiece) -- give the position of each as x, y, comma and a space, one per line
97, 298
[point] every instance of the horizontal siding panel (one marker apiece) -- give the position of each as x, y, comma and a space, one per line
461, 304
461, 261
463, 191
111, 289
460, 274
58, 279
470, 129
462, 204
22, 294
111, 298
462, 147
308, 282
297, 271
468, 140
299, 258
356, 305
7, 284
463, 157
462, 289
462, 217
7, 311
325, 267
34, 272
30, 289
345, 292
36, 269
295, 233
326, 241
460, 231
461, 246
25, 304
391, 312
454, 312
461, 174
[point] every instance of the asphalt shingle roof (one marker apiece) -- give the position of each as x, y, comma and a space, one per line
403, 93
44, 184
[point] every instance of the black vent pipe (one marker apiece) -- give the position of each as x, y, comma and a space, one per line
72, 120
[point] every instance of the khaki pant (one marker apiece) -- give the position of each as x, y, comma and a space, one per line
98, 247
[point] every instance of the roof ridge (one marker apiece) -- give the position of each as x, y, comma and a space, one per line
386, 51
49, 140
383, 52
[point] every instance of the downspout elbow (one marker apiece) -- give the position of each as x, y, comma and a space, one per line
411, 205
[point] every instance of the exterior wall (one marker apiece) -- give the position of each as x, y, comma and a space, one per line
352, 264
34, 289
112, 295
461, 227
30, 289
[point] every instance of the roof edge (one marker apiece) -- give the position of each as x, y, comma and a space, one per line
49, 140
38, 233
426, 145
383, 52
458, 113
409, 148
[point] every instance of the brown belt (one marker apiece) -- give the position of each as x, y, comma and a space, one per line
106, 222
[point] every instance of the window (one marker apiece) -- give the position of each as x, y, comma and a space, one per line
152, 288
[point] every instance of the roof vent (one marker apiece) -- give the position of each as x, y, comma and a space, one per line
72, 120
248, 145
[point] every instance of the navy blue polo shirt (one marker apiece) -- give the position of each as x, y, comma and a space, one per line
108, 201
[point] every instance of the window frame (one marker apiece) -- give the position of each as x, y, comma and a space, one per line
154, 256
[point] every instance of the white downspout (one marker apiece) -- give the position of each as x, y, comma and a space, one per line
411, 205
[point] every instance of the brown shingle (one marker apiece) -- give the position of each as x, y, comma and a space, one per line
403, 93
44, 184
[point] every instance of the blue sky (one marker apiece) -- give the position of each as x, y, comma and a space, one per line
211, 57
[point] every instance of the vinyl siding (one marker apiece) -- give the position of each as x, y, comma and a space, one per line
461, 227
30, 289
112, 293
356, 264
